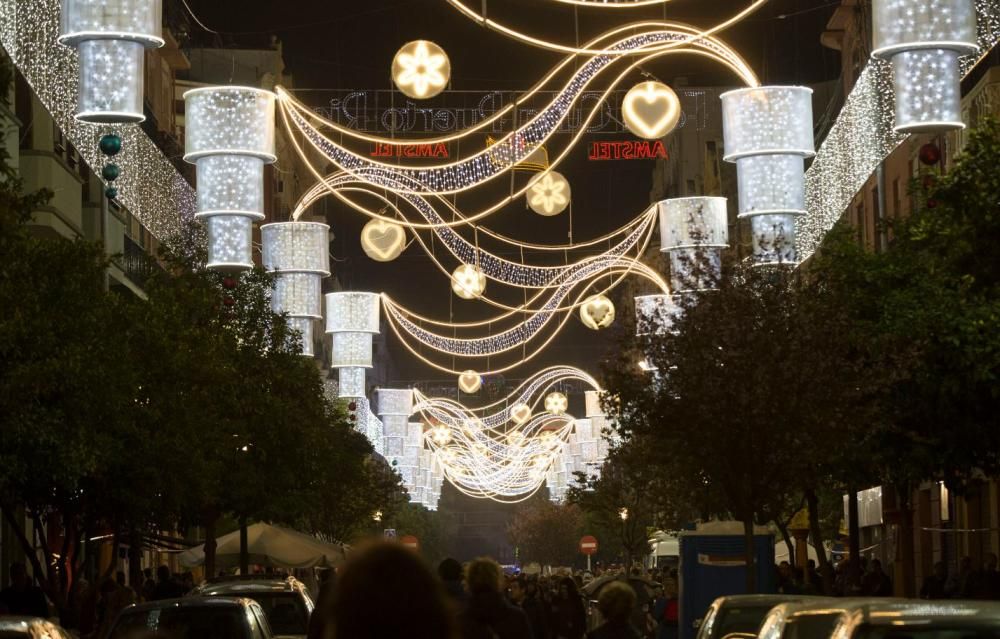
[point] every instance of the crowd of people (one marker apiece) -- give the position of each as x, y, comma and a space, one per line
478, 601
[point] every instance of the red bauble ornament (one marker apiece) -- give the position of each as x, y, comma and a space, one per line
228, 301
931, 203
930, 154
353, 418
353, 406
229, 283
928, 181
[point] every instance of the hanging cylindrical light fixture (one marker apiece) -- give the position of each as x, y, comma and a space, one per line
111, 37
394, 408
229, 137
299, 253
923, 40
654, 313
351, 320
693, 231
768, 133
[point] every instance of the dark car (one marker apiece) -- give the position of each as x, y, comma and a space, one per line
193, 618
285, 601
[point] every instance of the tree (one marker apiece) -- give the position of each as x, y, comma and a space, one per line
546, 533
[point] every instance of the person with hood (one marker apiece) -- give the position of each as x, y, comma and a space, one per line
487, 615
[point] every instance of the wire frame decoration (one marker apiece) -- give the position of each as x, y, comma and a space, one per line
768, 133
111, 37
229, 137
298, 252
923, 40
693, 231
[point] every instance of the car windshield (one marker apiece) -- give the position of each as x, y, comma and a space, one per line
932, 630
285, 612
810, 626
183, 622
746, 619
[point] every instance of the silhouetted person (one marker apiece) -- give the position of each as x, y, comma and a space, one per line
23, 597
616, 603
935, 584
876, 583
526, 600
450, 572
385, 591
569, 619
487, 615
166, 587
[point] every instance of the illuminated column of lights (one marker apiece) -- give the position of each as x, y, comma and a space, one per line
394, 409
923, 40
298, 252
351, 320
229, 137
111, 37
693, 231
768, 133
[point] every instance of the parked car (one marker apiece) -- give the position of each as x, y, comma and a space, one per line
285, 601
192, 618
883, 618
802, 619
741, 614
30, 628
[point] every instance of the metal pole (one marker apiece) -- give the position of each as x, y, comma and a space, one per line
588, 563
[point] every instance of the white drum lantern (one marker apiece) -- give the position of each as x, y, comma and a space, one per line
768, 133
299, 253
694, 230
923, 40
351, 320
654, 313
229, 137
111, 37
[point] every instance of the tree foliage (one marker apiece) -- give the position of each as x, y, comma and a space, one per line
546, 533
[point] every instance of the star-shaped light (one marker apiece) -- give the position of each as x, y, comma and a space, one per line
549, 194
421, 69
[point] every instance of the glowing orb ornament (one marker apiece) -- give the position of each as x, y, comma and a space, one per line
597, 312
651, 110
470, 381
421, 69
520, 413
468, 282
383, 241
548, 193
441, 435
556, 403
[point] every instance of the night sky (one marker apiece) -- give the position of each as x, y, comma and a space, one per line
335, 45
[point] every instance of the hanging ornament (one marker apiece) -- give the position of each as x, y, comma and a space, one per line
556, 403
110, 144
470, 381
548, 193
468, 282
383, 241
651, 110
520, 413
421, 69
930, 154
597, 312
111, 192
110, 172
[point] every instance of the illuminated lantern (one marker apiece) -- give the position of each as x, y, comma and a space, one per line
556, 403
468, 282
694, 230
548, 193
768, 133
651, 110
520, 413
597, 312
299, 253
470, 381
383, 241
655, 313
351, 320
394, 408
923, 40
111, 37
229, 137
421, 69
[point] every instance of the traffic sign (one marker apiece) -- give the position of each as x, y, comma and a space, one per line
588, 545
410, 542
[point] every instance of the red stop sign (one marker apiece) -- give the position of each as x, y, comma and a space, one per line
410, 542
588, 545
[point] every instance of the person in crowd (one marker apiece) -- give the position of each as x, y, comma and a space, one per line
616, 602
487, 615
666, 611
450, 572
126, 592
166, 587
385, 590
23, 597
569, 618
876, 583
965, 583
148, 584
988, 586
786, 580
526, 599
935, 585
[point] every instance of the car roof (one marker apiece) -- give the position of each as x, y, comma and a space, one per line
243, 586
762, 600
893, 611
191, 602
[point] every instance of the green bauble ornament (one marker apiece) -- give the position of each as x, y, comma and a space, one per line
111, 144
110, 172
111, 192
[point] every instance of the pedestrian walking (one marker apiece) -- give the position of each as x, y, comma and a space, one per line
616, 603
569, 618
525, 598
487, 615
450, 572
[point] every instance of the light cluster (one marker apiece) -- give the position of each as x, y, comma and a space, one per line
351, 320
693, 232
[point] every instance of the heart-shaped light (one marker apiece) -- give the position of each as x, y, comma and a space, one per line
520, 413
468, 282
651, 110
470, 381
556, 403
383, 241
597, 312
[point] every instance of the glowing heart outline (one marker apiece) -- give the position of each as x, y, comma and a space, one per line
470, 382
587, 312
520, 413
372, 246
651, 92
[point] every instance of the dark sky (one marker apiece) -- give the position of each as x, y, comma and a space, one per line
336, 45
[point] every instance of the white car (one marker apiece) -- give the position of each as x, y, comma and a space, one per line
30, 628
